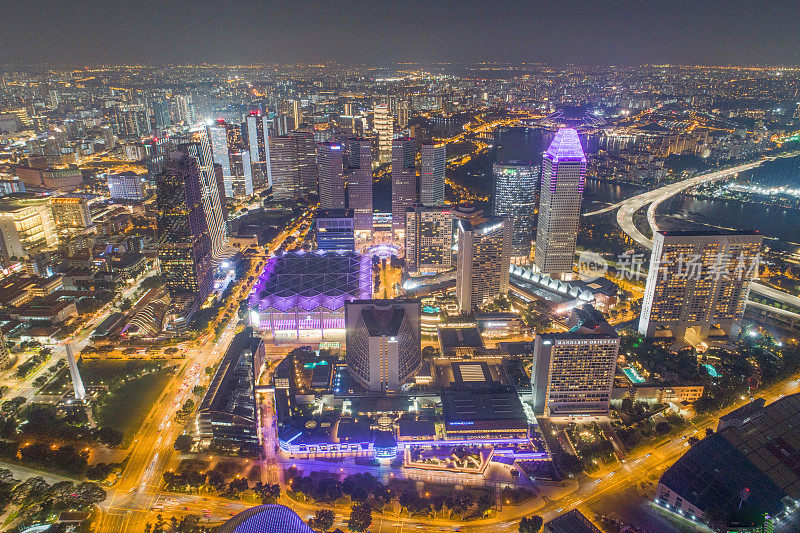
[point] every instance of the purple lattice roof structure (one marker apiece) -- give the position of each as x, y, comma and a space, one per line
310, 280
566, 146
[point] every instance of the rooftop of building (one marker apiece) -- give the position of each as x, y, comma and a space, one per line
310, 280
566, 146
460, 337
228, 383
465, 408
571, 522
758, 458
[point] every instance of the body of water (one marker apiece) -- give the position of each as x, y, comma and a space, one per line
781, 226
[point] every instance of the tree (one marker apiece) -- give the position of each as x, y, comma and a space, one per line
663, 427
184, 443
531, 525
627, 405
109, 437
323, 520
360, 517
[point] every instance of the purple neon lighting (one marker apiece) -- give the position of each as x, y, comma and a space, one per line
566, 146
309, 281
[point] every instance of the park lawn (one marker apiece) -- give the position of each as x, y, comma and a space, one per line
126, 407
95, 372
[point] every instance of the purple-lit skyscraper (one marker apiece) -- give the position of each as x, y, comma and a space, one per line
563, 178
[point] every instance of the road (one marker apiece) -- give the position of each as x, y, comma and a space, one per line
136, 494
629, 207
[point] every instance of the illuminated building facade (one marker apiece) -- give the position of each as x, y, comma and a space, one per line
184, 242
335, 230
294, 165
515, 197
431, 176
126, 186
573, 372
26, 228
303, 294
358, 153
212, 191
257, 128
383, 342
430, 237
698, 280
483, 260
404, 183
228, 149
331, 176
70, 213
383, 124
563, 178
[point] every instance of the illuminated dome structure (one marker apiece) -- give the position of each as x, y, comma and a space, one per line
266, 519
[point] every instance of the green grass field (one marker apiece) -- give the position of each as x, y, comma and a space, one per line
125, 408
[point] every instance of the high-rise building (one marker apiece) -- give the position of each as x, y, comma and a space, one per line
563, 178
184, 243
483, 260
573, 371
213, 191
26, 228
431, 175
383, 342
161, 115
228, 151
515, 197
296, 114
294, 165
430, 235
383, 124
335, 230
130, 120
404, 183
331, 176
184, 109
126, 186
358, 153
698, 280
70, 212
257, 128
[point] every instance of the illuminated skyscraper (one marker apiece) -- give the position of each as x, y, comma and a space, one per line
383, 123
515, 197
77, 382
573, 372
257, 128
213, 191
359, 183
229, 152
184, 242
563, 178
429, 239
484, 256
294, 165
331, 176
431, 176
404, 183
698, 280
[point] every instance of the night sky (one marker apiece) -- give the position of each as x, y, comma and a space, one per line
378, 32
